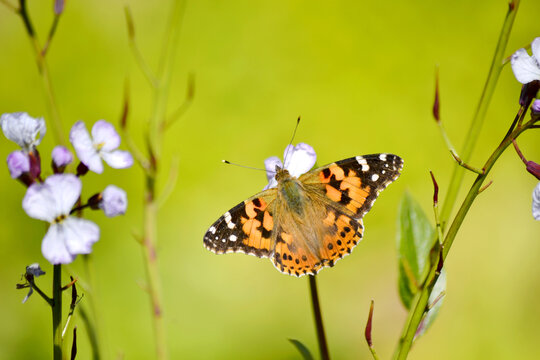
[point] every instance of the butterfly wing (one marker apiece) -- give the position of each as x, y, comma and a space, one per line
246, 228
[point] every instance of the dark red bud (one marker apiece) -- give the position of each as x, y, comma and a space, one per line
528, 93
81, 169
533, 168
35, 164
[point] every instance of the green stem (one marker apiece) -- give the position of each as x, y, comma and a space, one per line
480, 114
44, 74
57, 312
93, 322
321, 337
420, 301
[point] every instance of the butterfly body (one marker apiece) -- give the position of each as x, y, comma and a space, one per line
309, 222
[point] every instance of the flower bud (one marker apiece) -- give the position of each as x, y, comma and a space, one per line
61, 157
18, 164
114, 201
536, 202
535, 107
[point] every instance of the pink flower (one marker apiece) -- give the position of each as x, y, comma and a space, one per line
298, 160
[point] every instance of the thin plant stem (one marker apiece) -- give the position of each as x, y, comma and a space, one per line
52, 106
57, 312
321, 336
95, 337
480, 114
420, 301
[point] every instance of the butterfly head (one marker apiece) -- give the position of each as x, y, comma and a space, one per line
281, 174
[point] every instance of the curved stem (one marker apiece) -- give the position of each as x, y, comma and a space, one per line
420, 301
480, 114
321, 337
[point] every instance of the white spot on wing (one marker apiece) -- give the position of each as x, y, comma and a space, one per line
374, 177
232, 237
230, 224
212, 229
382, 157
363, 162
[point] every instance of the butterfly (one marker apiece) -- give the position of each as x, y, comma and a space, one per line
307, 223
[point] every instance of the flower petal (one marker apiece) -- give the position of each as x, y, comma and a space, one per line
79, 235
300, 160
82, 143
536, 202
39, 202
270, 166
525, 67
66, 189
54, 247
105, 136
118, 159
23, 129
535, 48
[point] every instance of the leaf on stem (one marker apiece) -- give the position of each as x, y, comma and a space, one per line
434, 305
414, 241
304, 351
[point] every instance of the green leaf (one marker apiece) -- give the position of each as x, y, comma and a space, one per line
435, 302
414, 241
304, 351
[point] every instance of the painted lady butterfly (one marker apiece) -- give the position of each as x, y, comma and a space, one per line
306, 223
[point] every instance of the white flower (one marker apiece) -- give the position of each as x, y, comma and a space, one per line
536, 202
114, 201
102, 146
298, 159
52, 201
527, 68
23, 129
18, 163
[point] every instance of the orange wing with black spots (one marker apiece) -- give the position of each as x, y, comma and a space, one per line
246, 228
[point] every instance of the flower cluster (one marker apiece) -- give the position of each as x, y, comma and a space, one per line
297, 160
57, 198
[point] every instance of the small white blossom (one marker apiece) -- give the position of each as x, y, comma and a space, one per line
298, 159
18, 163
114, 201
536, 202
102, 145
23, 129
52, 201
526, 68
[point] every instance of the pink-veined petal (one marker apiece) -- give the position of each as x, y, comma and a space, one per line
79, 235
525, 67
118, 159
23, 129
66, 189
54, 247
39, 202
300, 159
105, 136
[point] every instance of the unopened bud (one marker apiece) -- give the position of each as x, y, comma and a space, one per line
61, 157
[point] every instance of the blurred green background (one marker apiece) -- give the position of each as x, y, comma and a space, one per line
361, 75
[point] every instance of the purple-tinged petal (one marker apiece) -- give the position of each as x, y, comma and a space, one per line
79, 235
525, 67
536, 202
61, 156
535, 48
114, 201
105, 137
66, 189
39, 202
59, 6
535, 107
18, 163
270, 166
23, 129
301, 159
54, 247
84, 147
118, 159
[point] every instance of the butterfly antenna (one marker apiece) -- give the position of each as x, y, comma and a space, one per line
242, 166
290, 143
